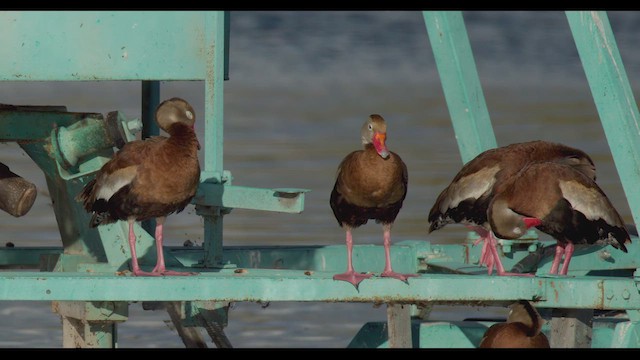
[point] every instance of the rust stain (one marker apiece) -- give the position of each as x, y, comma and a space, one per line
601, 287
555, 291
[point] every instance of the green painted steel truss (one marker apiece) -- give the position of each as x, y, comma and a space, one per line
87, 279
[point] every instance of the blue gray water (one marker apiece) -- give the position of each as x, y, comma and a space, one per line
301, 83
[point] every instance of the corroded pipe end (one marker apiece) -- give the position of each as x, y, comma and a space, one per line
17, 195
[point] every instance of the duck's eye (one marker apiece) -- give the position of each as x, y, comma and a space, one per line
370, 127
189, 115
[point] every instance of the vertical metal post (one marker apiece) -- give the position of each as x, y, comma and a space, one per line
150, 101
227, 36
571, 328
399, 325
213, 137
90, 324
460, 82
612, 95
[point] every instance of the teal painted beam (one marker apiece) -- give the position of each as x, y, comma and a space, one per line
297, 285
613, 96
407, 256
241, 197
468, 334
103, 45
460, 82
40, 123
26, 257
425, 334
626, 335
214, 96
213, 171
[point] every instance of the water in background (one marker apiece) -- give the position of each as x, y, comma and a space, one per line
301, 84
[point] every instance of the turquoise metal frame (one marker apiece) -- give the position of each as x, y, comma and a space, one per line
86, 278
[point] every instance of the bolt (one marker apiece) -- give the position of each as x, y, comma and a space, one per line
625, 294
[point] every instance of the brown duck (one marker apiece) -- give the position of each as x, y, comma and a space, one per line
521, 330
466, 198
560, 201
149, 179
370, 184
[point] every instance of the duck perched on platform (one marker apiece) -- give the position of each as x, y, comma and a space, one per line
560, 201
370, 184
148, 179
465, 200
521, 330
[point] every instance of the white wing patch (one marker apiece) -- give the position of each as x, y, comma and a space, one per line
588, 201
471, 186
115, 181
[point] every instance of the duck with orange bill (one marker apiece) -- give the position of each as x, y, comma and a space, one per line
370, 184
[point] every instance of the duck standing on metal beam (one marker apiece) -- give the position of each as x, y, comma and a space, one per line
465, 200
149, 179
560, 201
370, 184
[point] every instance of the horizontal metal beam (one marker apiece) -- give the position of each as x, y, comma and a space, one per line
22, 124
297, 285
305, 273
105, 45
242, 197
407, 256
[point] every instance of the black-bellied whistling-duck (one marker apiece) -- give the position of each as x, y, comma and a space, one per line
148, 179
370, 184
466, 198
521, 330
560, 201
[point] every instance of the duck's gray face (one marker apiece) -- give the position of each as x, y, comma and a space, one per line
374, 131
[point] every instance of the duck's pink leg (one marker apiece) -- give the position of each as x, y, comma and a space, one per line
159, 269
556, 259
388, 271
350, 275
486, 257
135, 267
568, 252
489, 254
